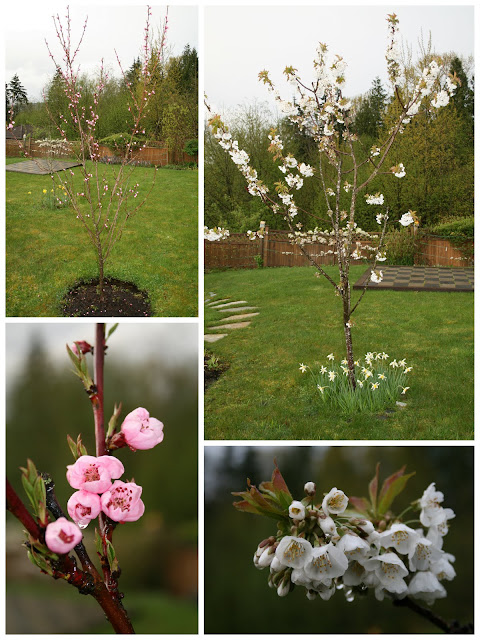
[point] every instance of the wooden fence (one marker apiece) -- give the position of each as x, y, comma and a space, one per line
275, 250
159, 156
437, 251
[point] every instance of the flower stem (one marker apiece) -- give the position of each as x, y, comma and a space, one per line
97, 400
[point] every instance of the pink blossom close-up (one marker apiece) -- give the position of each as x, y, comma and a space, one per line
62, 535
83, 506
94, 474
122, 502
141, 431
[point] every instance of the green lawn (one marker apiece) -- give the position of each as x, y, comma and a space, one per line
48, 251
263, 395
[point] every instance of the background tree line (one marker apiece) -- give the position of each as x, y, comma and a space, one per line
171, 117
436, 149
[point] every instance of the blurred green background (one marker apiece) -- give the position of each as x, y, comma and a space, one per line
237, 597
149, 365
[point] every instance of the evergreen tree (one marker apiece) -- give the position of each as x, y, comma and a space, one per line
16, 94
369, 117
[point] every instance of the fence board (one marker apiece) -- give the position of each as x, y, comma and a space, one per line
238, 251
159, 156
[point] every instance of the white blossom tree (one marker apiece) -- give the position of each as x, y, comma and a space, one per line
321, 111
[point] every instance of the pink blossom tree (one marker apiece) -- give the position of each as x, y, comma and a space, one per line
102, 197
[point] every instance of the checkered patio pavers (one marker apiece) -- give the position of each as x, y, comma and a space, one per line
420, 279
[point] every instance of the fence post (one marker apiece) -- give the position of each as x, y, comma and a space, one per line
265, 247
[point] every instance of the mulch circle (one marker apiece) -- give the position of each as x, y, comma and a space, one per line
120, 299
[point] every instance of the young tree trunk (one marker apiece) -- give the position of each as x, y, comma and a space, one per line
100, 261
348, 339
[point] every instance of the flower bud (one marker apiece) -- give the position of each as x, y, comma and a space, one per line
310, 488
80, 346
61, 536
284, 587
83, 506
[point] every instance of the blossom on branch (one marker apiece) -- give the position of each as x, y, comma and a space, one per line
122, 502
141, 431
62, 535
94, 474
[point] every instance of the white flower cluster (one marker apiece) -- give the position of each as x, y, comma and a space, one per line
217, 233
239, 156
327, 551
377, 198
408, 219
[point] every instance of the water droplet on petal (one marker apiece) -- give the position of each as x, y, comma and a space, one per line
82, 525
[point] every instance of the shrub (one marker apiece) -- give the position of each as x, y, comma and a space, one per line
462, 228
401, 247
191, 147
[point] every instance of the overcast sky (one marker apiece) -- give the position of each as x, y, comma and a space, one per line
173, 343
109, 28
241, 41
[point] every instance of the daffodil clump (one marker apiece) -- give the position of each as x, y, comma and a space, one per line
356, 545
55, 198
380, 381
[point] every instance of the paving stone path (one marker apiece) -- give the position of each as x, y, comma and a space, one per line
232, 322
420, 279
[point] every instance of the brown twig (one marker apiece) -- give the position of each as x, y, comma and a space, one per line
448, 627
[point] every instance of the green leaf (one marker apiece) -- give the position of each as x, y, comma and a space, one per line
40, 561
373, 489
98, 543
112, 329
81, 450
39, 490
111, 557
391, 488
112, 423
73, 447
28, 490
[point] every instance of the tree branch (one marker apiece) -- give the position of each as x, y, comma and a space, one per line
448, 627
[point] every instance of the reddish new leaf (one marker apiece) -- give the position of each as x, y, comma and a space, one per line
373, 489
394, 485
361, 505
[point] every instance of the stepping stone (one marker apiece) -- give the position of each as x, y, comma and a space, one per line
241, 316
233, 325
227, 304
212, 302
236, 309
213, 337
